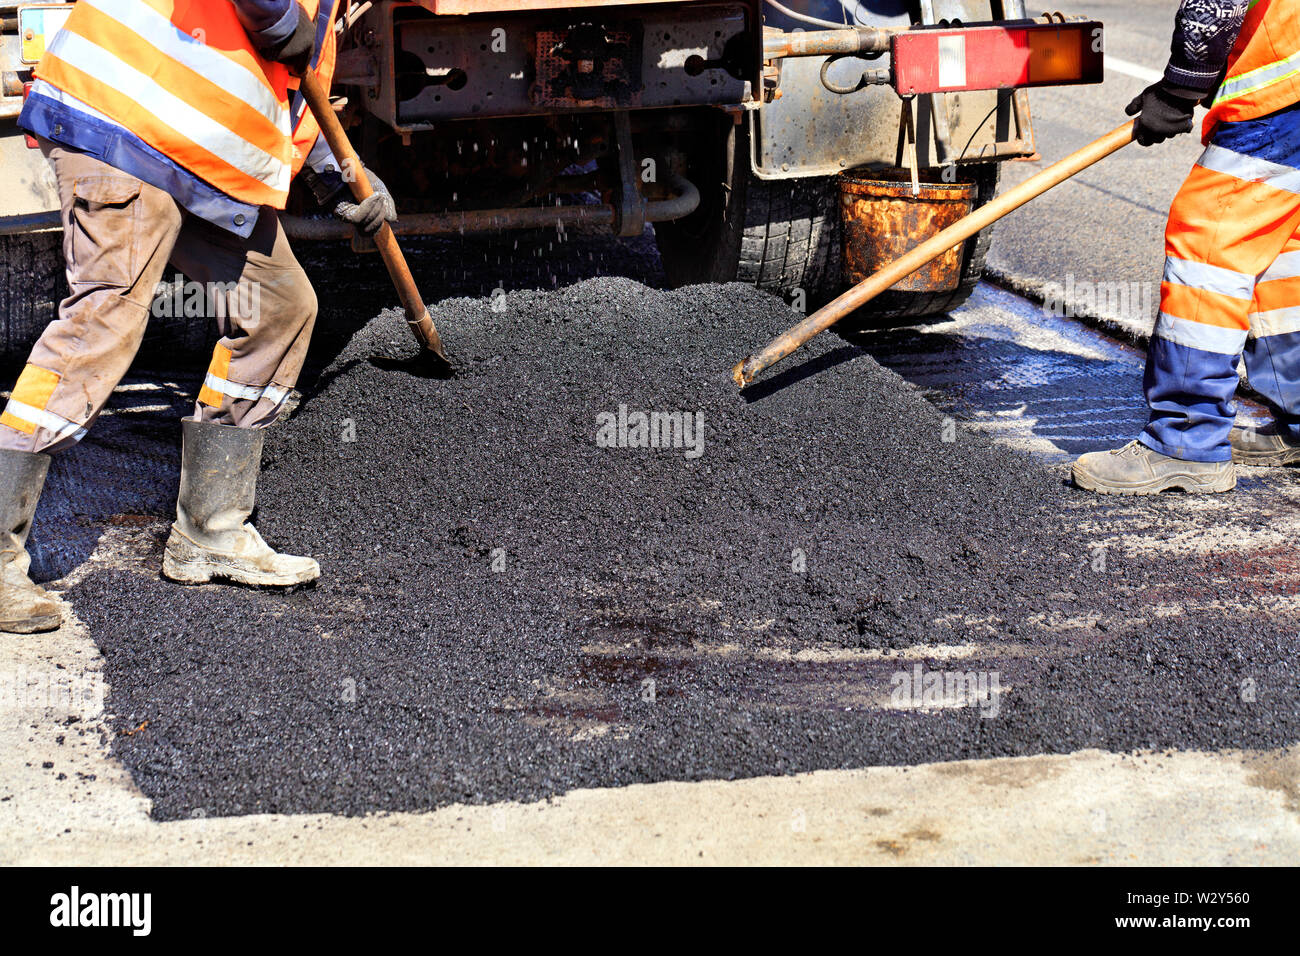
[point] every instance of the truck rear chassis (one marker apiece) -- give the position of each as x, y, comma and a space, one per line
726, 125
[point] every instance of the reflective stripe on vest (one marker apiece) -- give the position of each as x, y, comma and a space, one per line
184, 77
1263, 71
1245, 84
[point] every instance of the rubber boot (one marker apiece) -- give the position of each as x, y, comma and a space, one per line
24, 607
211, 537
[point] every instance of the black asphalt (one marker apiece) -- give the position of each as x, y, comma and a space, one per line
499, 591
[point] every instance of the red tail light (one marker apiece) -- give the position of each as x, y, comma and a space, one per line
945, 60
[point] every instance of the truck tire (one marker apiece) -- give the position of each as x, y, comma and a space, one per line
779, 235
32, 283
889, 307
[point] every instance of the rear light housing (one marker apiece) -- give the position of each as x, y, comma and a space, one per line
1003, 56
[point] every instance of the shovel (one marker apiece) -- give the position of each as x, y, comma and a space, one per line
932, 248
417, 316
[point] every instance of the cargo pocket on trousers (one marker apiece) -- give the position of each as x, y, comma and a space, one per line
104, 227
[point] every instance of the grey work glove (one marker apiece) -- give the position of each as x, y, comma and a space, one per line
371, 213
294, 51
1162, 111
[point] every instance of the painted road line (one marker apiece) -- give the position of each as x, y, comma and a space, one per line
1133, 69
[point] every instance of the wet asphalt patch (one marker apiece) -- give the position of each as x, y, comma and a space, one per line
520, 597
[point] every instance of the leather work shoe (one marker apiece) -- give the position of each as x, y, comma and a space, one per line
212, 537
1263, 446
1138, 470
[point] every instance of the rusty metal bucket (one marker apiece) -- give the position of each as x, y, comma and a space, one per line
882, 220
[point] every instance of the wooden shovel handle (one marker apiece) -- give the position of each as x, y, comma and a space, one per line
417, 316
932, 248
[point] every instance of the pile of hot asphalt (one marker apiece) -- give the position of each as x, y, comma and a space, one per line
517, 599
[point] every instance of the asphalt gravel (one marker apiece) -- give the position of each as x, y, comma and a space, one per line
510, 610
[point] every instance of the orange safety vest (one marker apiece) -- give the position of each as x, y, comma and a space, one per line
1263, 74
184, 77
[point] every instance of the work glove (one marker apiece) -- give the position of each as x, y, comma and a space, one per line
371, 213
295, 51
1162, 111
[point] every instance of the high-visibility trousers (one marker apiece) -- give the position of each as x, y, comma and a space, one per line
119, 235
1231, 289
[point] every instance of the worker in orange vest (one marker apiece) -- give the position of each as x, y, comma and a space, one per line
174, 128
1232, 255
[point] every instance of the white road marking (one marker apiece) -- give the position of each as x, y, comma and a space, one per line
1132, 69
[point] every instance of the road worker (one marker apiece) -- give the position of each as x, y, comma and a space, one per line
174, 129
1231, 282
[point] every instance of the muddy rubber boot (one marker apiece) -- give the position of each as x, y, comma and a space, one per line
1263, 446
211, 537
25, 608
1136, 469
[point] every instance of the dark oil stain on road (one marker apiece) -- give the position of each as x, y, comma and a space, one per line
509, 610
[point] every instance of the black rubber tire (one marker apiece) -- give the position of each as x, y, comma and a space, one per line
888, 307
779, 235
32, 283
791, 238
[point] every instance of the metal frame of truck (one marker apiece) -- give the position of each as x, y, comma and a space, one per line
725, 123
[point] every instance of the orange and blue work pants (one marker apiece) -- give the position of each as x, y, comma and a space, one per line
119, 236
1231, 290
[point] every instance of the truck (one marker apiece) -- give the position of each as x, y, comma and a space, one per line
795, 145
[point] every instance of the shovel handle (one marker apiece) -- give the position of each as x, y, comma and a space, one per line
417, 315
932, 248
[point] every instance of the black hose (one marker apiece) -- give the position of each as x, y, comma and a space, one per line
865, 79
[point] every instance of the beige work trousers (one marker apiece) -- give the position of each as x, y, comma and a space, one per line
119, 236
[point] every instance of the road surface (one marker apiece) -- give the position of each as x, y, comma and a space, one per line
535, 647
